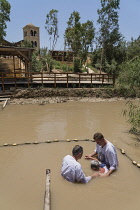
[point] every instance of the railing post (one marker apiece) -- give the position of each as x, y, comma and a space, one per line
91, 81
113, 79
15, 79
42, 78
79, 80
102, 78
3, 83
67, 80
28, 79
54, 80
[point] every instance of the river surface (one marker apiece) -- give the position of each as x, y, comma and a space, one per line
23, 167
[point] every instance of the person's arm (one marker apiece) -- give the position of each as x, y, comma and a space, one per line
93, 158
80, 176
107, 174
112, 162
90, 155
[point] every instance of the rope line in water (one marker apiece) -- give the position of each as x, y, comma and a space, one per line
68, 140
47, 141
133, 161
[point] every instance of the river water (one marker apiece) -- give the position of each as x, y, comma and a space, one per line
23, 167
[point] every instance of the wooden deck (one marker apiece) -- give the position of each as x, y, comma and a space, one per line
55, 79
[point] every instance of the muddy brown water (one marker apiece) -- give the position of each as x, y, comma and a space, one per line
22, 168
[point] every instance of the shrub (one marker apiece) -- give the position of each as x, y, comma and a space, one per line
133, 115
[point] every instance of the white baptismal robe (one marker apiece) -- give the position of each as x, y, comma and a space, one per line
72, 170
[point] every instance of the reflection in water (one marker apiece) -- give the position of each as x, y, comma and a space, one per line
22, 168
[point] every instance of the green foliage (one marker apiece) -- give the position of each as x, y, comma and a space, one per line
37, 64
111, 68
133, 49
26, 44
52, 27
109, 35
87, 35
5, 8
129, 76
77, 65
73, 32
79, 37
133, 115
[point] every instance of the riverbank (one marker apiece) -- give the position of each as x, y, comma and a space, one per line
44, 96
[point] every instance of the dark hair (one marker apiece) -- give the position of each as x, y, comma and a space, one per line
98, 136
77, 149
95, 164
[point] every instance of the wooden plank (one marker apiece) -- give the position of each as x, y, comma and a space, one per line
5, 101
47, 204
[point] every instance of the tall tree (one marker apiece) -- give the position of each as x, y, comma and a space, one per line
5, 8
79, 37
52, 27
109, 35
87, 36
73, 33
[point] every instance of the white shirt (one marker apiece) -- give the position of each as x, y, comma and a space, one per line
107, 155
104, 167
72, 170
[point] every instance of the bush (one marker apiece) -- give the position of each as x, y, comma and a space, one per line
133, 115
77, 65
129, 77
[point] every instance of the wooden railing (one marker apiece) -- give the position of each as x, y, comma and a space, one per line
19, 78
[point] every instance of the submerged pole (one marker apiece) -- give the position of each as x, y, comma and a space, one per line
47, 191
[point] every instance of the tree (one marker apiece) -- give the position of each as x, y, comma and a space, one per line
52, 27
79, 37
73, 33
87, 36
133, 49
109, 35
26, 44
5, 8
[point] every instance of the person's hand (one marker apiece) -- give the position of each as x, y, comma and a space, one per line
87, 157
103, 175
95, 174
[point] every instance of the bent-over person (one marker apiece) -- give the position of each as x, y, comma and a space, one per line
106, 153
72, 169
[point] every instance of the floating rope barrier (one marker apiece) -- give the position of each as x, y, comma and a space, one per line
133, 161
47, 141
68, 140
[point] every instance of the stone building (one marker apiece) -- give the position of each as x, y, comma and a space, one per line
31, 33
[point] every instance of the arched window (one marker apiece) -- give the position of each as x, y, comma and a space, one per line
32, 43
31, 32
35, 33
35, 43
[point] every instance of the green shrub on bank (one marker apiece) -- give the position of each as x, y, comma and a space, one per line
129, 76
133, 115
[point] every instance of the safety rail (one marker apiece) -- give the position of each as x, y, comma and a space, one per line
42, 78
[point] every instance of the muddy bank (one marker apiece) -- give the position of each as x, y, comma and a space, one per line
43, 96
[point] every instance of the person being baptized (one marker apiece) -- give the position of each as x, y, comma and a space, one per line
98, 166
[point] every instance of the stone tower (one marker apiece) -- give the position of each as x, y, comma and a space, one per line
31, 34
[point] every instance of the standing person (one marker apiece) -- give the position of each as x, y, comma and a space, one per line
71, 168
106, 153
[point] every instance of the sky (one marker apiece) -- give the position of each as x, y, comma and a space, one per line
24, 12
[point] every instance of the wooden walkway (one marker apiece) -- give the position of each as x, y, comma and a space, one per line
55, 79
